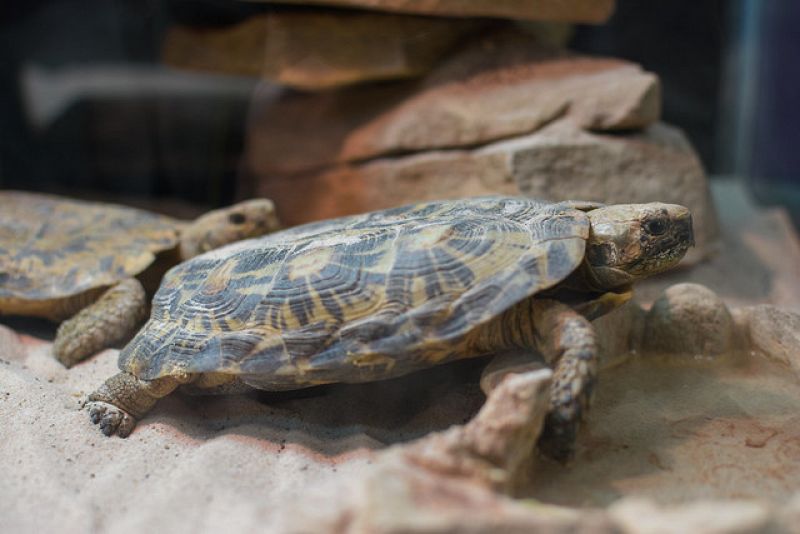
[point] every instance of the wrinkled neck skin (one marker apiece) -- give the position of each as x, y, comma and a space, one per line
586, 294
584, 279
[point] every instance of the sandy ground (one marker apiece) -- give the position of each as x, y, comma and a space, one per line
196, 464
252, 462
683, 431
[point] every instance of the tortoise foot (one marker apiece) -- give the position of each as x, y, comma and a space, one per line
112, 419
557, 440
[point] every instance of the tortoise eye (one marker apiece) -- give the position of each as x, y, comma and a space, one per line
655, 226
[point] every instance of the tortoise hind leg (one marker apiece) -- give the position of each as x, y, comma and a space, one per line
566, 339
111, 318
123, 399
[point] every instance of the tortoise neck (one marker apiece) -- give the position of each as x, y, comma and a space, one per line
514, 328
582, 280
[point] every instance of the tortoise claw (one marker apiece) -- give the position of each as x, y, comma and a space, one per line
557, 440
96, 411
112, 420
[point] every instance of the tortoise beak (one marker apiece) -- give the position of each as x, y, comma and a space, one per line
686, 232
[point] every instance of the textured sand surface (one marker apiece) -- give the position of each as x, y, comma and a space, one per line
677, 432
194, 464
673, 432
683, 431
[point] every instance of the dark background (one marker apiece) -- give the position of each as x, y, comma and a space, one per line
729, 70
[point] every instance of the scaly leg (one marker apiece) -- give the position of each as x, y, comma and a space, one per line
566, 339
111, 318
123, 399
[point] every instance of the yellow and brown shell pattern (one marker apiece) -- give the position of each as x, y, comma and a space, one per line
53, 248
358, 298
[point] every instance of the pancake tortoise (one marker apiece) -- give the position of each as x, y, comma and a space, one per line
379, 295
77, 262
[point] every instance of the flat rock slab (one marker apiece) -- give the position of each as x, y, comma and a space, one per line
776, 333
316, 50
561, 161
500, 86
588, 11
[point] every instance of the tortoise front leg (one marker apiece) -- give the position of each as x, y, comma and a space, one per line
111, 318
123, 399
566, 339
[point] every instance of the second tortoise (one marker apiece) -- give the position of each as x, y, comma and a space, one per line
82, 264
379, 295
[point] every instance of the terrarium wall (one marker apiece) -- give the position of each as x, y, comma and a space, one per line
93, 102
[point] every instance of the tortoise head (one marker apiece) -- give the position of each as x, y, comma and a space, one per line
628, 242
251, 218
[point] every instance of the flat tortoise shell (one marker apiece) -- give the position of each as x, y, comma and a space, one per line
78, 261
358, 298
379, 295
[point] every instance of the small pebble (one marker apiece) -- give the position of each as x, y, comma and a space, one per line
689, 319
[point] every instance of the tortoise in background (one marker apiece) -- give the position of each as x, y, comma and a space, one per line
379, 295
76, 262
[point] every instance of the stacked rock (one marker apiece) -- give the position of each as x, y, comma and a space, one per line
408, 100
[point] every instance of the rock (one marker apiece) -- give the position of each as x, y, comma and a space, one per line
588, 11
237, 49
421, 502
11, 348
446, 482
501, 86
619, 334
317, 49
558, 162
689, 319
506, 363
551, 34
776, 333
496, 446
789, 516
640, 516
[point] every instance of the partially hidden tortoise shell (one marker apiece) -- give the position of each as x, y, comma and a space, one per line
59, 256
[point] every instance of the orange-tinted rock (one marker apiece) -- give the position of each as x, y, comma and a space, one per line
317, 49
775, 332
499, 87
689, 320
589, 11
559, 162
642, 516
237, 49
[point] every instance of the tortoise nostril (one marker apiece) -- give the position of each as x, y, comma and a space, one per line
237, 218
